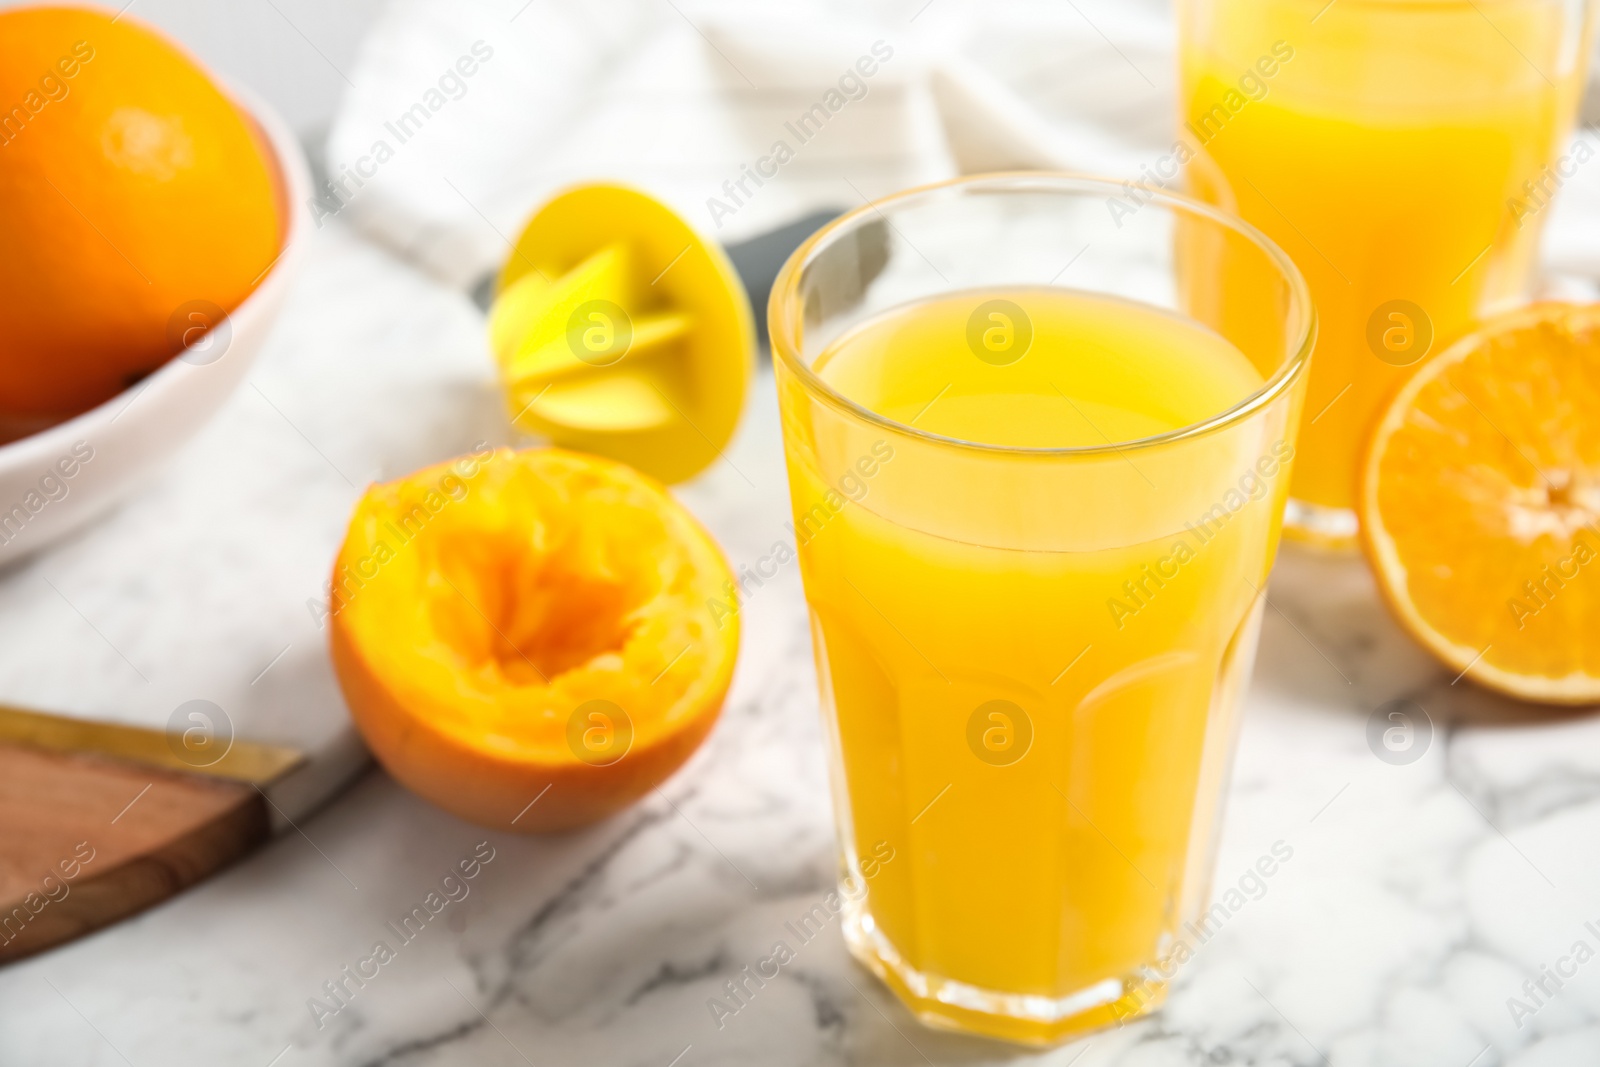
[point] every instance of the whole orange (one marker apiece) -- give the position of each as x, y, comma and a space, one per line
130, 186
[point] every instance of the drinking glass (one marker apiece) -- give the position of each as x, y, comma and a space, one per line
1031, 659
1404, 153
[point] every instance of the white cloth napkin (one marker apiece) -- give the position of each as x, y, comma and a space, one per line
464, 116
686, 97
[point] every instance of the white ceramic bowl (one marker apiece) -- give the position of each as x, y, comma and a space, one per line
130, 434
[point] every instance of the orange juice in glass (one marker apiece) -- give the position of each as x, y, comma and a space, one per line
1038, 463
1402, 152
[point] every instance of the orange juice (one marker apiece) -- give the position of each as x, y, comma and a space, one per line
1035, 719
1398, 152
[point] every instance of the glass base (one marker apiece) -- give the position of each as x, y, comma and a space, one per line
1333, 529
946, 1004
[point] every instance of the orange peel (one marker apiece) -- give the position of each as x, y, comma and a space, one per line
523, 637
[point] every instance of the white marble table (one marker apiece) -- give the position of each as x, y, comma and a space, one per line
1417, 900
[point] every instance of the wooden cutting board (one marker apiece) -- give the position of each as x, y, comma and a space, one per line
101, 821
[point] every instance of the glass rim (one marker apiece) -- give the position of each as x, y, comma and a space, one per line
782, 325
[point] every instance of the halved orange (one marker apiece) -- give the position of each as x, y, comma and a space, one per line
1480, 504
530, 628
